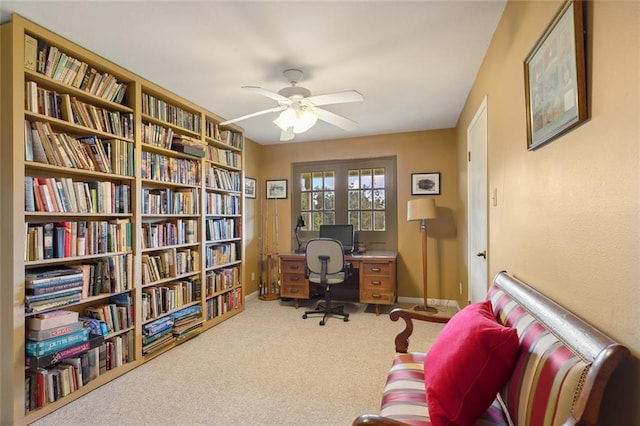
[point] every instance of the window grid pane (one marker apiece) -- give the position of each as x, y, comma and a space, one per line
317, 198
366, 205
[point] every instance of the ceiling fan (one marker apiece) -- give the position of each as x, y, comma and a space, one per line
299, 110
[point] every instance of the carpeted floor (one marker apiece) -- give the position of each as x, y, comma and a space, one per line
266, 366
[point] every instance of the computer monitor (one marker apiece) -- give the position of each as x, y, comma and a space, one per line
342, 233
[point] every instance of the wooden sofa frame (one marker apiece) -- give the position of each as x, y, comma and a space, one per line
603, 354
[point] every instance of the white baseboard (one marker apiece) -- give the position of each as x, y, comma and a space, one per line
433, 302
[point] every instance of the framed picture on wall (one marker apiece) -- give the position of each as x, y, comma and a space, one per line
277, 189
425, 183
249, 187
555, 77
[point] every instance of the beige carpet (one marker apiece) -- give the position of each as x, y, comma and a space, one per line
266, 366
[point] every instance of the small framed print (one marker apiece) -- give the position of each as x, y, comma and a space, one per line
249, 187
277, 189
425, 183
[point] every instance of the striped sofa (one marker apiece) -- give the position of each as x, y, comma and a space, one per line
559, 377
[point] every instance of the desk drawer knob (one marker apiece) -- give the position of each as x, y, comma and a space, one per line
376, 296
295, 266
295, 278
375, 269
376, 282
295, 290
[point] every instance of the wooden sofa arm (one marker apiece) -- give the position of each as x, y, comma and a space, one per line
402, 339
375, 419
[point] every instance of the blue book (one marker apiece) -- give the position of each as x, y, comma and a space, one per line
49, 346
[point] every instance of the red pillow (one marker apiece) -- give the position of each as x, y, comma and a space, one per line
467, 365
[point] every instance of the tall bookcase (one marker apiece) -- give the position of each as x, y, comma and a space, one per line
166, 223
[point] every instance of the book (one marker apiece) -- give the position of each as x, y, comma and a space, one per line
48, 240
50, 333
54, 358
30, 52
47, 320
45, 277
56, 344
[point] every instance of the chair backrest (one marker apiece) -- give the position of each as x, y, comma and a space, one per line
317, 247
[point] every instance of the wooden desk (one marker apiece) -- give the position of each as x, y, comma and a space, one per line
376, 283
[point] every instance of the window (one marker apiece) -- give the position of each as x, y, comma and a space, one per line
361, 192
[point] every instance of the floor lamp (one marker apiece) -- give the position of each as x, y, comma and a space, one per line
423, 209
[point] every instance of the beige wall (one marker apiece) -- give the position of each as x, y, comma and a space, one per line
252, 155
567, 218
416, 152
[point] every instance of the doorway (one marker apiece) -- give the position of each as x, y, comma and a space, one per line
477, 203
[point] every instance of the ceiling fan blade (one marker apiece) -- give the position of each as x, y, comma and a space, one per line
268, 93
287, 135
335, 119
255, 114
336, 98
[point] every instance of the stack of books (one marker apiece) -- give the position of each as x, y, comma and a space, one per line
187, 322
49, 288
157, 334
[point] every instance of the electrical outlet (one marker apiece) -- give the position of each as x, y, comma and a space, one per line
253, 277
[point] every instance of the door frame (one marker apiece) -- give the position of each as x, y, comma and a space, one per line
481, 114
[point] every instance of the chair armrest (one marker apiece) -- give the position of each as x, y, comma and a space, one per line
375, 419
402, 338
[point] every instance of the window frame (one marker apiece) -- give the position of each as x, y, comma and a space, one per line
374, 240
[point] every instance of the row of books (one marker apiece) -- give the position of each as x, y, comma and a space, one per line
65, 195
222, 179
224, 157
169, 264
49, 60
161, 110
232, 138
46, 288
116, 315
68, 108
183, 201
220, 254
43, 145
54, 240
222, 229
180, 231
157, 135
162, 168
220, 305
221, 279
159, 300
222, 204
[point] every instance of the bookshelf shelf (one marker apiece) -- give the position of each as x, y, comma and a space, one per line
90, 155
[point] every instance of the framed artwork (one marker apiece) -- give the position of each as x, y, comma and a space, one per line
277, 189
555, 77
249, 187
425, 183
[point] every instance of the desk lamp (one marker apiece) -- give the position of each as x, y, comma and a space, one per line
423, 209
296, 231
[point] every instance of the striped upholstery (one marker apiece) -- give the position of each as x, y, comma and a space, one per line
547, 377
404, 397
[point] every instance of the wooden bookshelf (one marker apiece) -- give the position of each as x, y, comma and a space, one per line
101, 156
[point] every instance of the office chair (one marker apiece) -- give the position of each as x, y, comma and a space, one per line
325, 265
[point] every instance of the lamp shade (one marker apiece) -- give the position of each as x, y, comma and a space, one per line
300, 119
421, 208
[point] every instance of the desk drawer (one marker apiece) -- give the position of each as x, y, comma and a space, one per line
295, 289
375, 268
378, 297
292, 266
376, 284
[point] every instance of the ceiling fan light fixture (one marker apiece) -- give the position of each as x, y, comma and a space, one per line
300, 119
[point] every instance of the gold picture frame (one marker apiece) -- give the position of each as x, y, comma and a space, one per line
555, 77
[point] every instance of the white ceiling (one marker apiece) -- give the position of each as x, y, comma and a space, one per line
414, 61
